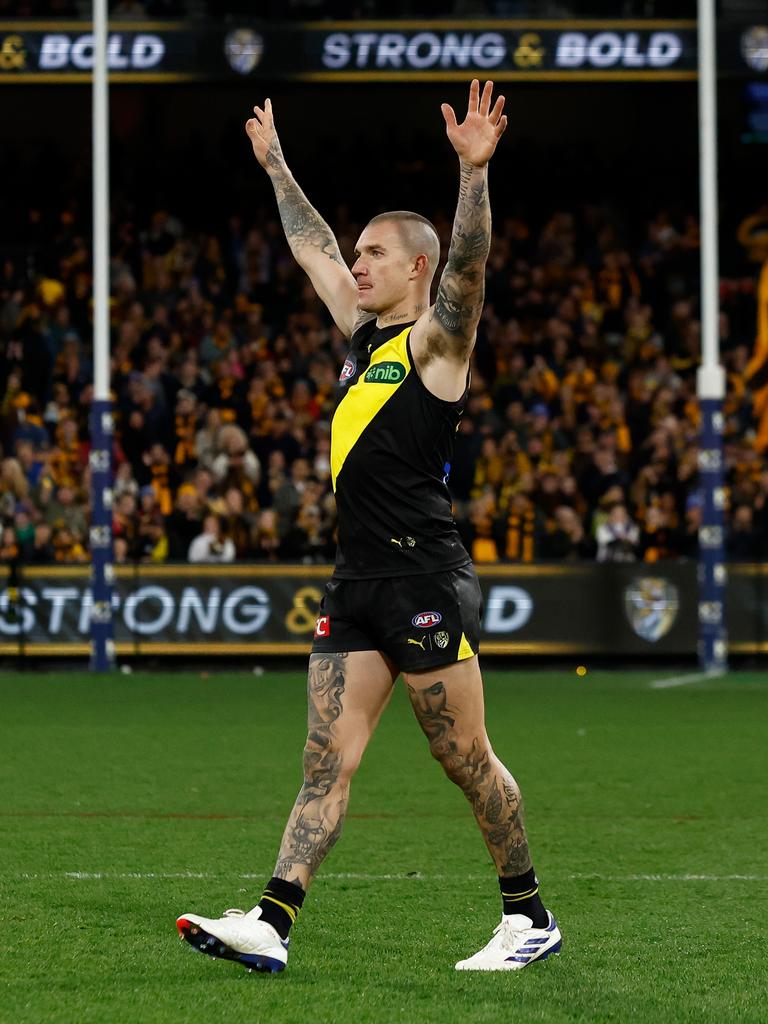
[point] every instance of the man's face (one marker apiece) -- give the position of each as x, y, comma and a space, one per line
381, 269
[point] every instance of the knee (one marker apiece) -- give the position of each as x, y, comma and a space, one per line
326, 764
466, 763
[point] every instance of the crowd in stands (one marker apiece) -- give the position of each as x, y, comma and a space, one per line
578, 441
343, 9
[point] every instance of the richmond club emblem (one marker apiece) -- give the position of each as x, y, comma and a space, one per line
651, 605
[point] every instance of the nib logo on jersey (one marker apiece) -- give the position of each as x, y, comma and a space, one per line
385, 373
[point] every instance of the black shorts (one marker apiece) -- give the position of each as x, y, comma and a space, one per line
419, 622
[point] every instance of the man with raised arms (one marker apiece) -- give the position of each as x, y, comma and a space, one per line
404, 597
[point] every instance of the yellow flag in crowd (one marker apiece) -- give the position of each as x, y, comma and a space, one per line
757, 368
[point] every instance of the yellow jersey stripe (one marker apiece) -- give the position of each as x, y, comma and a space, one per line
388, 369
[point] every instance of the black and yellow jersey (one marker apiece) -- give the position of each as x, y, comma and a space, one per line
391, 450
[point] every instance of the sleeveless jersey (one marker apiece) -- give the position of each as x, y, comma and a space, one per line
391, 449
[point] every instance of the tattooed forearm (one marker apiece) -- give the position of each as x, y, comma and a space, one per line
304, 228
459, 301
318, 813
490, 789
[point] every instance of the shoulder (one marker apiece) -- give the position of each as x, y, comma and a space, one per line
430, 342
442, 367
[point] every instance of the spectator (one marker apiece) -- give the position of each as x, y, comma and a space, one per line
68, 544
65, 510
659, 539
239, 523
565, 539
236, 465
120, 550
267, 539
183, 524
40, 551
31, 463
212, 545
14, 486
10, 549
206, 439
125, 523
24, 527
151, 539
618, 538
185, 422
744, 543
307, 540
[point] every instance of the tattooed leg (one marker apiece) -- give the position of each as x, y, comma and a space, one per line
346, 696
449, 708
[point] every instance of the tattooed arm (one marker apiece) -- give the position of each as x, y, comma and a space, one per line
443, 341
311, 240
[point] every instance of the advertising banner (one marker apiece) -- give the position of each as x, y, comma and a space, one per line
36, 51
610, 610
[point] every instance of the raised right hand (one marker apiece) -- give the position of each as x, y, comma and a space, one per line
263, 135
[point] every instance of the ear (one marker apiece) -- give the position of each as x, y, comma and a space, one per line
420, 264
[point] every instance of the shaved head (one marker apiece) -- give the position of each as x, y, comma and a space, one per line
418, 235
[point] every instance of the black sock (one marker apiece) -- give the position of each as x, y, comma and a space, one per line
280, 905
521, 896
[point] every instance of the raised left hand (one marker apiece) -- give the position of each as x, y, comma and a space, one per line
475, 139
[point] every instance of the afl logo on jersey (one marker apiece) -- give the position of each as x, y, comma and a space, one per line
424, 620
348, 370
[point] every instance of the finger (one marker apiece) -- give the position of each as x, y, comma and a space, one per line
501, 127
449, 114
474, 97
498, 106
252, 126
268, 109
260, 114
485, 99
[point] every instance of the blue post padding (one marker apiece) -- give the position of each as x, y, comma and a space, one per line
102, 569
713, 641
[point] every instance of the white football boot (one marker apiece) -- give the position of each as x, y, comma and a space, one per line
515, 943
236, 936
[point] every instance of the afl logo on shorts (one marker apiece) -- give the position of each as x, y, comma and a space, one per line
425, 620
323, 626
348, 370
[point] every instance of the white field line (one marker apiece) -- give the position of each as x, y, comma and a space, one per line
88, 876
694, 677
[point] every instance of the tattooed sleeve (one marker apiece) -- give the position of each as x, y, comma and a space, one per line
304, 228
459, 301
318, 814
487, 785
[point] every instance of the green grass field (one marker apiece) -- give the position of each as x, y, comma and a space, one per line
125, 802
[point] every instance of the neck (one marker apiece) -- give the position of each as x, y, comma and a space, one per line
403, 313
